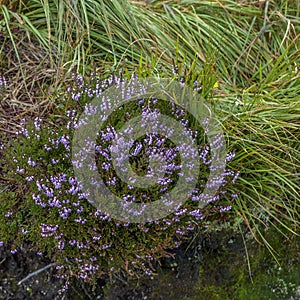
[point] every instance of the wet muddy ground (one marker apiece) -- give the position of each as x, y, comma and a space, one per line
215, 266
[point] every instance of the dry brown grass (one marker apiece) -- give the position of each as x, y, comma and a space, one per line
31, 82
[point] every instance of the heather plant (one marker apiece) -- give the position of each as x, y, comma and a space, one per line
49, 208
2, 84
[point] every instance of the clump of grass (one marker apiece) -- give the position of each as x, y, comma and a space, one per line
76, 35
263, 125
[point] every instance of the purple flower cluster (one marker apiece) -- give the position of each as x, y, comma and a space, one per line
48, 230
3, 83
81, 88
87, 270
64, 214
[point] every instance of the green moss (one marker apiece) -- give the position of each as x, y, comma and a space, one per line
224, 272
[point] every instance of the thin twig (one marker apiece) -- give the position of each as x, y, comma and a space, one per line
37, 272
6, 179
7, 131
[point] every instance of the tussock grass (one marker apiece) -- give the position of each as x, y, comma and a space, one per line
239, 33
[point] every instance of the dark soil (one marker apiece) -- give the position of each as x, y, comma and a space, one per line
212, 267
15, 267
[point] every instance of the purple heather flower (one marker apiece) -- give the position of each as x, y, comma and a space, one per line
175, 219
90, 110
31, 162
148, 272
71, 113
20, 171
197, 86
76, 203
45, 190
24, 131
83, 195
37, 122
93, 258
141, 102
164, 181
3, 82
72, 180
106, 246
175, 70
73, 190
225, 208
47, 148
189, 179
87, 269
196, 198
79, 210
197, 214
184, 122
64, 212
109, 134
54, 202
96, 238
112, 181
48, 230
106, 166
181, 212
24, 231
128, 130
180, 231
216, 141
8, 214
80, 245
230, 156
79, 81
76, 96
72, 242
190, 227
59, 267
167, 222
38, 201
58, 236
235, 177
29, 178
80, 220
61, 245
90, 93
65, 141
54, 161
